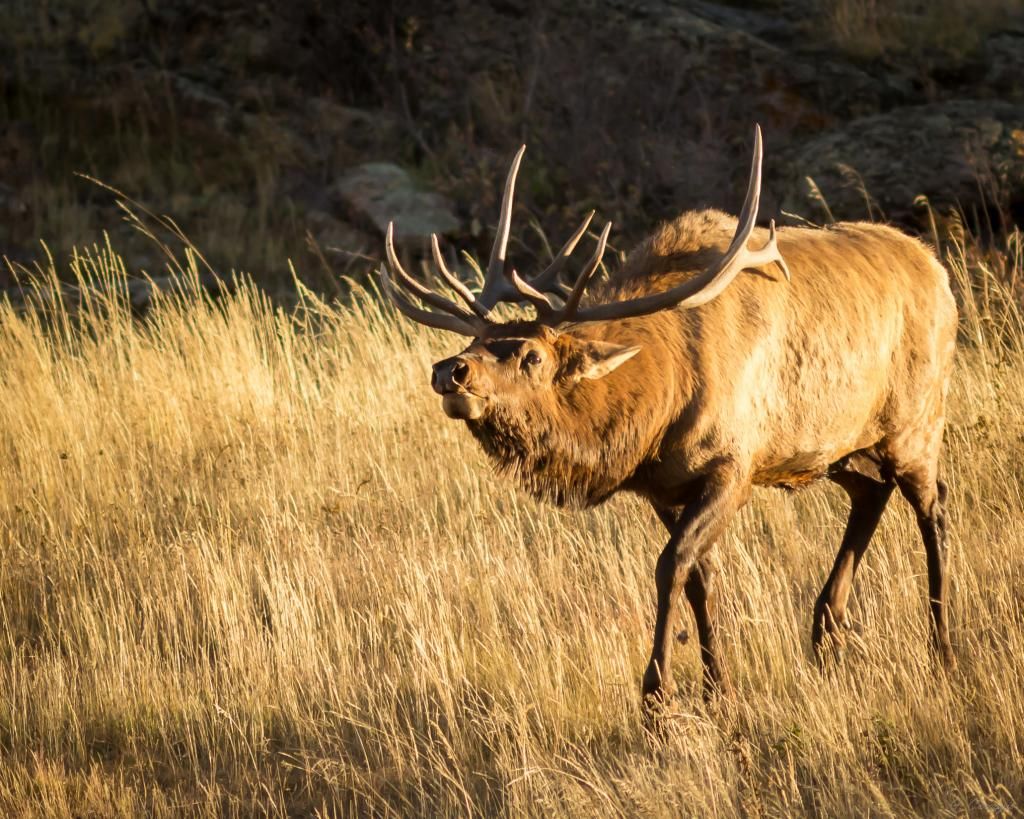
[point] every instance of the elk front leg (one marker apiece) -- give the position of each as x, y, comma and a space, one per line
697, 528
702, 597
701, 594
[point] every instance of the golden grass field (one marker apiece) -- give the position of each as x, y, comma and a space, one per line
247, 567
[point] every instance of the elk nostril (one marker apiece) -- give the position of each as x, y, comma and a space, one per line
460, 373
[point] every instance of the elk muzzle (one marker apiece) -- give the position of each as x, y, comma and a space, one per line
452, 379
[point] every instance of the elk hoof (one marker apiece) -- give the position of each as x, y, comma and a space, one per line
832, 635
948, 659
829, 655
829, 650
656, 711
657, 692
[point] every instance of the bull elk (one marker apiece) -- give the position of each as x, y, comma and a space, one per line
686, 383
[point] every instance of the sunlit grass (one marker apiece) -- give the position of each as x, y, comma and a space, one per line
247, 566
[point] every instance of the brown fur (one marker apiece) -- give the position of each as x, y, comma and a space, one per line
840, 373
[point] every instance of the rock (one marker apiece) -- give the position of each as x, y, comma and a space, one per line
143, 293
1002, 57
379, 192
335, 235
197, 95
949, 152
736, 53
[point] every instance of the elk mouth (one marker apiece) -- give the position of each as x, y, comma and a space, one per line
462, 405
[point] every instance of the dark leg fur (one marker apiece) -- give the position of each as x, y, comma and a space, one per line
869, 493
692, 534
702, 596
927, 496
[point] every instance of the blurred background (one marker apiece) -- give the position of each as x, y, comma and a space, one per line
277, 131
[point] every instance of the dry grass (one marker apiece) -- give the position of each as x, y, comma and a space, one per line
937, 29
246, 567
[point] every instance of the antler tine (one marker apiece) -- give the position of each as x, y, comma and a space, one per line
572, 301
530, 293
771, 248
548, 279
439, 321
505, 284
409, 283
461, 290
496, 286
709, 284
752, 198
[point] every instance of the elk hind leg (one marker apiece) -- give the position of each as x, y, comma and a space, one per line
927, 495
869, 492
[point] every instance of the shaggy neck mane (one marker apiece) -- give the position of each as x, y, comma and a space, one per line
577, 447
575, 451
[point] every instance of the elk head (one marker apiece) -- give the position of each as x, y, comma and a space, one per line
525, 363
519, 363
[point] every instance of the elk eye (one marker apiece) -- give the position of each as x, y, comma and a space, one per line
531, 359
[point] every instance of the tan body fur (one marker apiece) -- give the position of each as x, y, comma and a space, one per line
783, 378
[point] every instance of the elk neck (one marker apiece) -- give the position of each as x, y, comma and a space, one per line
577, 444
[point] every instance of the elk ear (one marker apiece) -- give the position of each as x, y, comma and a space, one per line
595, 359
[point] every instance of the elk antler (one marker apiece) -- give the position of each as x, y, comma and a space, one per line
458, 320
709, 284
503, 284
